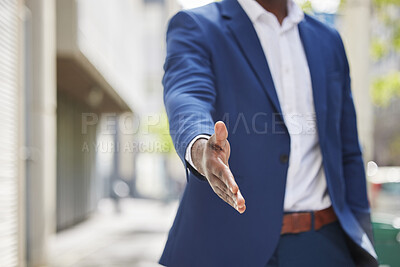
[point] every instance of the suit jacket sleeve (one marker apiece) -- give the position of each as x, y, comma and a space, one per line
353, 166
189, 91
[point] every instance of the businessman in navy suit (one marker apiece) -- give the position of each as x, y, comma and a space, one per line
261, 113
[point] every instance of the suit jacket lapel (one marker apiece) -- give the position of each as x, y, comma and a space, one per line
316, 65
246, 36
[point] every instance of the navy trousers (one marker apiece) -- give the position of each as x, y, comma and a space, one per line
325, 247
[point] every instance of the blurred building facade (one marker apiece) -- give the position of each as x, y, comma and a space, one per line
387, 126
11, 138
73, 72
356, 35
88, 84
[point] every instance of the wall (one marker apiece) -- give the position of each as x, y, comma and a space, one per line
11, 164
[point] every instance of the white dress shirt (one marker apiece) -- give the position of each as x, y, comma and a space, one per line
306, 184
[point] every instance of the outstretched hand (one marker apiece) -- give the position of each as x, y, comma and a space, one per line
210, 157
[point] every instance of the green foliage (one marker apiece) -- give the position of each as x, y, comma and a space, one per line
390, 41
396, 36
385, 88
306, 6
395, 147
378, 49
380, 3
161, 131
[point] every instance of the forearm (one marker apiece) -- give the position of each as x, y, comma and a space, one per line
189, 91
186, 126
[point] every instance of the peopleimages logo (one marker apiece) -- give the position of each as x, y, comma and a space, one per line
259, 123
154, 146
150, 133
111, 123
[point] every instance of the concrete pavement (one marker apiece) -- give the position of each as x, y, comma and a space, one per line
133, 238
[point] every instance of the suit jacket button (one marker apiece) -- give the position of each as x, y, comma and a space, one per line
284, 158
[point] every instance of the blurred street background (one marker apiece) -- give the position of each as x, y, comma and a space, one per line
88, 173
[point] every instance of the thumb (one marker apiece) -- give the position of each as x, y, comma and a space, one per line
221, 133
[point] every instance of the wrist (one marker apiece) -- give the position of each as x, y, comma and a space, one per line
197, 152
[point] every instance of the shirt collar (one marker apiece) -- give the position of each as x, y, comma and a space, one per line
254, 10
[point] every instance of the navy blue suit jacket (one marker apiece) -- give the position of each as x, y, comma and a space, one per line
215, 69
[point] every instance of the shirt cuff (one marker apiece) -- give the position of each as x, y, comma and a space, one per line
188, 154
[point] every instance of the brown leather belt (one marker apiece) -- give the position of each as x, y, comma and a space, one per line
298, 222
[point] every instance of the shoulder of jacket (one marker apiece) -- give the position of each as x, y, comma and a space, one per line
324, 29
209, 13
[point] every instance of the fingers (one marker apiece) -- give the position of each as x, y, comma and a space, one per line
223, 172
231, 199
221, 133
217, 182
225, 197
236, 200
219, 174
240, 202
218, 143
